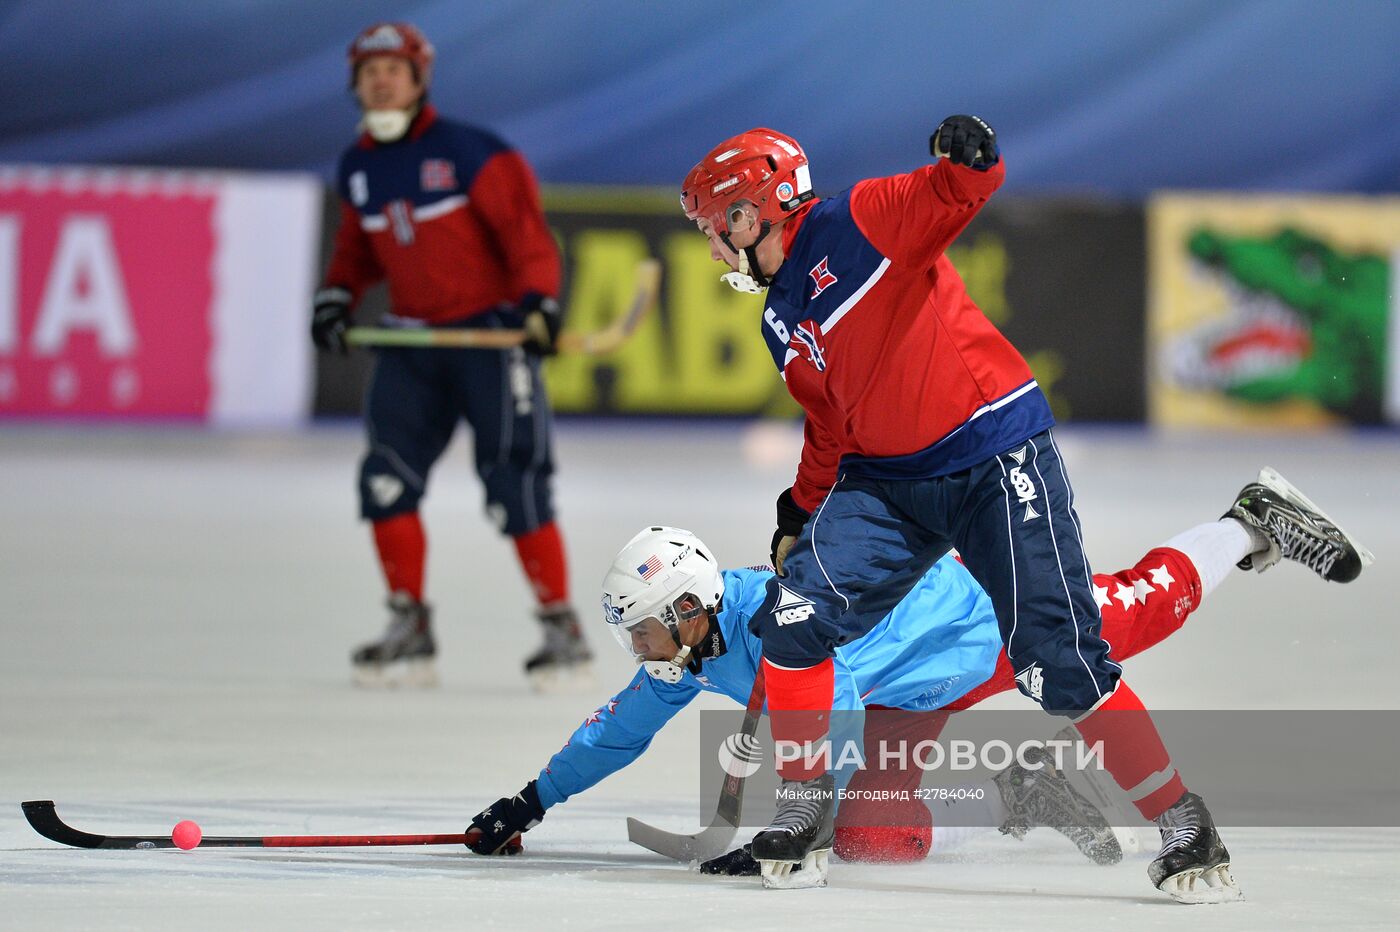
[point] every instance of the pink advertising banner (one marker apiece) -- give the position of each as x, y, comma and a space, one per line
155, 295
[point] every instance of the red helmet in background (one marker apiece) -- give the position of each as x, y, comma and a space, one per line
762, 166
401, 40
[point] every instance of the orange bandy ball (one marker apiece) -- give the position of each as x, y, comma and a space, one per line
186, 835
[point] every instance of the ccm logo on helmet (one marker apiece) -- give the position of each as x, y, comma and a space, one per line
787, 147
383, 39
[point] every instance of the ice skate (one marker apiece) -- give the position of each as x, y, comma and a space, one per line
793, 851
563, 663
1098, 788
404, 656
1297, 530
1043, 797
1193, 865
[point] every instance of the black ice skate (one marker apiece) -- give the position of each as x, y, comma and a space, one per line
564, 662
1193, 865
1297, 530
1043, 797
793, 851
404, 655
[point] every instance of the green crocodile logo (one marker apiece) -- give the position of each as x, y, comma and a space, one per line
1307, 321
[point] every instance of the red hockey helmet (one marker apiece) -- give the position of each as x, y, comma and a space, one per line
762, 166
401, 40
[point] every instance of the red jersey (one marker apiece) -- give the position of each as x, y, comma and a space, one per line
450, 215
900, 374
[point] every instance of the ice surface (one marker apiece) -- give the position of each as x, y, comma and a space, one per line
177, 611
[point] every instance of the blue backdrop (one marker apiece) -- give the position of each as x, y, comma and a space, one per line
1117, 97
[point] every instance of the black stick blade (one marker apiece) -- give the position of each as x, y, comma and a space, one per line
44, 819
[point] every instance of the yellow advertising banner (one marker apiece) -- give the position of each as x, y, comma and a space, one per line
1271, 311
701, 353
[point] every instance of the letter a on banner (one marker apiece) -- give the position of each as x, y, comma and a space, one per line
85, 290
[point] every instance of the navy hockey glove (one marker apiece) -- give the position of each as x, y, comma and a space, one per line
330, 319
965, 140
498, 827
543, 321
791, 520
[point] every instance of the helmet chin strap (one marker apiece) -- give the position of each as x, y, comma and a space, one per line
749, 278
668, 671
711, 645
388, 125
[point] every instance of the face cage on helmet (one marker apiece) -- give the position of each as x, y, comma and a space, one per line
685, 607
722, 218
723, 222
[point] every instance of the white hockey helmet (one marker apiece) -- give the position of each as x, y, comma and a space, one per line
665, 575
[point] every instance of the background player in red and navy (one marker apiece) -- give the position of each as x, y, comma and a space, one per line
450, 216
925, 430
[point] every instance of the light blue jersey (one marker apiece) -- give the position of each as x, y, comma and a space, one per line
938, 643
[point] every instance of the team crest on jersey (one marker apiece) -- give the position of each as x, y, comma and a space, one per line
1032, 682
1023, 486
791, 607
821, 276
807, 340
437, 175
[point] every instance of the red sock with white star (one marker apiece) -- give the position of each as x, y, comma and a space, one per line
1142, 605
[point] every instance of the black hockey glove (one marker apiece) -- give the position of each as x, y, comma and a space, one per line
330, 319
497, 829
965, 140
543, 321
791, 520
737, 863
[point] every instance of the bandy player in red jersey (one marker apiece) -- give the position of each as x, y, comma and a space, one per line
451, 216
925, 430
